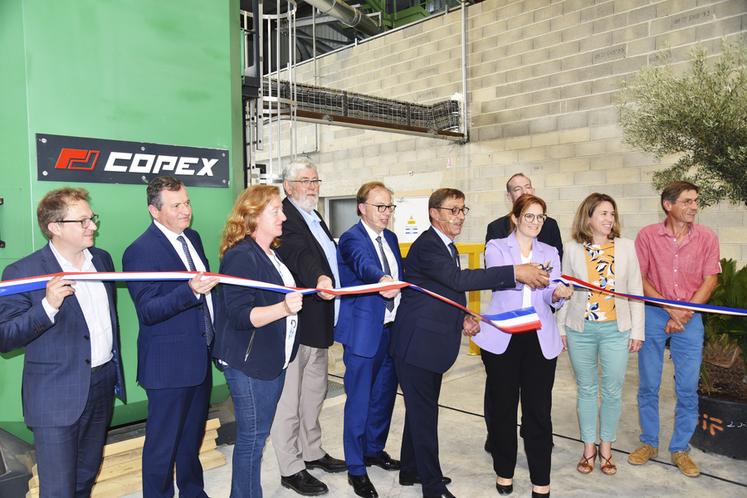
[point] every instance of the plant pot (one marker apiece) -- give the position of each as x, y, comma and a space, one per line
722, 427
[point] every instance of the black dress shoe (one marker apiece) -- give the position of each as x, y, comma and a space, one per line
504, 489
327, 464
304, 484
540, 495
447, 494
383, 460
362, 486
409, 479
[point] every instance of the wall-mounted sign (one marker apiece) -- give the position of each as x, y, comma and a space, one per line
92, 160
411, 218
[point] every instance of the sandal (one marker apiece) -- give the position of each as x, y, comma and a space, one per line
606, 465
586, 464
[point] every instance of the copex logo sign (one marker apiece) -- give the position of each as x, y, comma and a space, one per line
62, 158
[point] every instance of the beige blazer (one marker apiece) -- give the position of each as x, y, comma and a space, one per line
627, 280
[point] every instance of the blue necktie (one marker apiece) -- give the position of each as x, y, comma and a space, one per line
455, 255
206, 323
387, 270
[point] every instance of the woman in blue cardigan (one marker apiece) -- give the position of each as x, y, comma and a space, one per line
257, 329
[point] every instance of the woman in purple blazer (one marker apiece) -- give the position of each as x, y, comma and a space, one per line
523, 365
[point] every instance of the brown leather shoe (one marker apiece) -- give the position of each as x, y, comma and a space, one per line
686, 465
586, 464
643, 454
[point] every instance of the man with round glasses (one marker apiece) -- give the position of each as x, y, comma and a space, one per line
368, 253
72, 366
426, 335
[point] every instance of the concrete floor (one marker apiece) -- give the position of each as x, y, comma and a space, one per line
462, 434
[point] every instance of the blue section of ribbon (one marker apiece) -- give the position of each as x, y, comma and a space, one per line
22, 287
508, 315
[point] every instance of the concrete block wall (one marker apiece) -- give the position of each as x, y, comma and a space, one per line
542, 79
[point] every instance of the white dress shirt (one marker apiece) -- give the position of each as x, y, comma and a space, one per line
392, 260
94, 303
199, 265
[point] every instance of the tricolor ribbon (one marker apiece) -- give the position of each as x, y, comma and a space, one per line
510, 322
702, 308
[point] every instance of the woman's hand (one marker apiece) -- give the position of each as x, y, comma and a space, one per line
562, 291
564, 340
293, 302
635, 345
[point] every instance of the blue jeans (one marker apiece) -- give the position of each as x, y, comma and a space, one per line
687, 351
254, 404
600, 343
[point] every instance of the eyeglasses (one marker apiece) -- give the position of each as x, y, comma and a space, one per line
382, 208
531, 218
306, 182
84, 223
688, 202
456, 210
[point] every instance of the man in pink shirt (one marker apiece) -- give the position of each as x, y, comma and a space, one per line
680, 261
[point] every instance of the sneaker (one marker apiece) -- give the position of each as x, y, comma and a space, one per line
643, 454
686, 465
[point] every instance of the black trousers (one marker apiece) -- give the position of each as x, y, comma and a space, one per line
520, 373
419, 453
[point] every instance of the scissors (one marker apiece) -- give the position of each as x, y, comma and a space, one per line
546, 266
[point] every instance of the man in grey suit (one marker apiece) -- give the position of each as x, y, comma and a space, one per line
72, 367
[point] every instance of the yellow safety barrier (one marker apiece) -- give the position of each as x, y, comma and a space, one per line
474, 252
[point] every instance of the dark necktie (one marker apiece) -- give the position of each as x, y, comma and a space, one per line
455, 254
207, 325
387, 270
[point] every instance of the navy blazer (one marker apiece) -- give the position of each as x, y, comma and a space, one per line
306, 260
171, 347
258, 352
427, 332
57, 363
359, 325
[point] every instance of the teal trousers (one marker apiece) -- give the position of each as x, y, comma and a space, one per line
601, 350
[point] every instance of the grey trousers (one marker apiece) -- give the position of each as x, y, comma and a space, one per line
296, 433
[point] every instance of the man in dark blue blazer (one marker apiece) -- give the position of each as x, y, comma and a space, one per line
72, 366
368, 253
427, 332
173, 345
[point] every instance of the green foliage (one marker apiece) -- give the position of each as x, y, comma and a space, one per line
700, 115
731, 292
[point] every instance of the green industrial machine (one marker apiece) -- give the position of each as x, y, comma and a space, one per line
142, 71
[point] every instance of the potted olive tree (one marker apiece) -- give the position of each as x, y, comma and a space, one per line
722, 427
699, 115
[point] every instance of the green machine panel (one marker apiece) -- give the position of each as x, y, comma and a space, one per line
164, 72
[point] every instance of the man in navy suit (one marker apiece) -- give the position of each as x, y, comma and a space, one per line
368, 253
427, 332
72, 367
173, 346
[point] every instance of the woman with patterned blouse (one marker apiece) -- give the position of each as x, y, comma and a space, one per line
598, 329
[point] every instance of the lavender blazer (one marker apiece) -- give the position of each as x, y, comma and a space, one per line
506, 252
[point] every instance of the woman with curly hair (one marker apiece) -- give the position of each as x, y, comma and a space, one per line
256, 336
